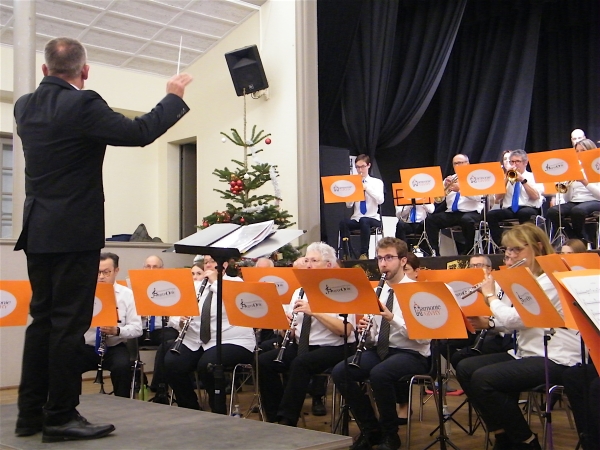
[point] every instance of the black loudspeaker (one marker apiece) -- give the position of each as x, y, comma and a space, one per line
246, 70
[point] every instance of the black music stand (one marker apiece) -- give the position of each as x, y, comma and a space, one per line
200, 243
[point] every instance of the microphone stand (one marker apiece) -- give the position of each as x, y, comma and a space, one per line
548, 333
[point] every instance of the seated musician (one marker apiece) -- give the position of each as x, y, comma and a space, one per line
523, 198
581, 199
392, 356
493, 382
317, 345
198, 349
129, 326
410, 219
464, 211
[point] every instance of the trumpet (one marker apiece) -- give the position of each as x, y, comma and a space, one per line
512, 175
563, 187
476, 287
447, 190
361, 345
186, 324
99, 373
288, 333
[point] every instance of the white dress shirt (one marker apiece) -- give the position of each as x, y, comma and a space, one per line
130, 324
421, 212
524, 199
373, 197
578, 193
465, 203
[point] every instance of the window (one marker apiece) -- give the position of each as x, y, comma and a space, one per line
6, 181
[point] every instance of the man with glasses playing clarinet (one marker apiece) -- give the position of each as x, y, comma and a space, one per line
366, 212
129, 326
523, 198
391, 356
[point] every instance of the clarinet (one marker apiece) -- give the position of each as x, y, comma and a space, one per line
99, 373
288, 333
186, 324
362, 340
147, 329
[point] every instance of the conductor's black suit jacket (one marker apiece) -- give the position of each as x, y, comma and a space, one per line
65, 132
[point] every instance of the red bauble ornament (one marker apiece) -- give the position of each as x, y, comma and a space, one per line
242, 220
205, 224
239, 183
267, 141
233, 183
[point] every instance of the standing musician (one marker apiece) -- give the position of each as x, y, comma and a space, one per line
305, 355
116, 356
461, 210
523, 198
582, 198
198, 351
392, 356
493, 382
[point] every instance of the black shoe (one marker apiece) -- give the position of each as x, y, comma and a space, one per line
28, 427
162, 399
502, 442
286, 422
318, 408
533, 445
366, 441
76, 429
390, 442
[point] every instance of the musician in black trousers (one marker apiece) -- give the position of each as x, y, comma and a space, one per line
393, 356
65, 130
306, 356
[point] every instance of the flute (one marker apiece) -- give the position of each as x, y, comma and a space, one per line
188, 321
362, 340
476, 287
288, 333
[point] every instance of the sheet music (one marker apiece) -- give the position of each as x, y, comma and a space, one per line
247, 236
586, 290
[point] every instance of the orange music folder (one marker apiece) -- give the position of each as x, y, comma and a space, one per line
165, 292
590, 163
400, 200
342, 188
283, 277
555, 165
526, 295
253, 305
339, 291
583, 287
460, 280
123, 283
15, 297
481, 179
105, 306
430, 311
581, 261
552, 264
422, 182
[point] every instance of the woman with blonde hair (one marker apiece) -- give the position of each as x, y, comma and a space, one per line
493, 382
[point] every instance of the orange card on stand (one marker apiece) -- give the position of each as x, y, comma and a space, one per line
581, 261
165, 292
342, 188
481, 179
401, 200
555, 165
15, 297
460, 281
422, 182
526, 295
590, 164
430, 311
105, 306
253, 305
552, 264
283, 277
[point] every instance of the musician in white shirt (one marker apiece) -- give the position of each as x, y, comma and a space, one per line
410, 219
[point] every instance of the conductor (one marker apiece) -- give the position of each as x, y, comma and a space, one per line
65, 130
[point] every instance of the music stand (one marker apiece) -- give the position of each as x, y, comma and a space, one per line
400, 200
201, 243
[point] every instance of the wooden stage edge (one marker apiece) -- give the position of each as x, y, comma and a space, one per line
149, 426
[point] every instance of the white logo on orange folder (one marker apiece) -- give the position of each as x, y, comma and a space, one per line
460, 288
526, 299
343, 188
251, 305
8, 303
555, 166
163, 293
338, 290
481, 179
422, 182
97, 306
428, 310
281, 285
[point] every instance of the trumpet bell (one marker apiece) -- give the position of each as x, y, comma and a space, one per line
512, 175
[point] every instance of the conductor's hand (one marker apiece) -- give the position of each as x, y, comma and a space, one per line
176, 85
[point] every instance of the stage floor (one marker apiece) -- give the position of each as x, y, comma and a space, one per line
149, 426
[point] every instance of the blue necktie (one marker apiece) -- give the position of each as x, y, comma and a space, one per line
98, 339
455, 203
515, 198
363, 205
413, 215
151, 326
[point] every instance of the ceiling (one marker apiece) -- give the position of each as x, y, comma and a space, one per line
137, 35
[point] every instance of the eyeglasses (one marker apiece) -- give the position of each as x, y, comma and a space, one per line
459, 163
513, 250
515, 161
361, 166
104, 273
386, 258
478, 266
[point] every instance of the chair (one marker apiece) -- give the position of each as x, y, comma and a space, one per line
246, 372
345, 246
535, 403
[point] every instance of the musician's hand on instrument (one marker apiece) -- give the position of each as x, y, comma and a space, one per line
479, 322
182, 320
303, 307
109, 330
211, 275
386, 313
362, 324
